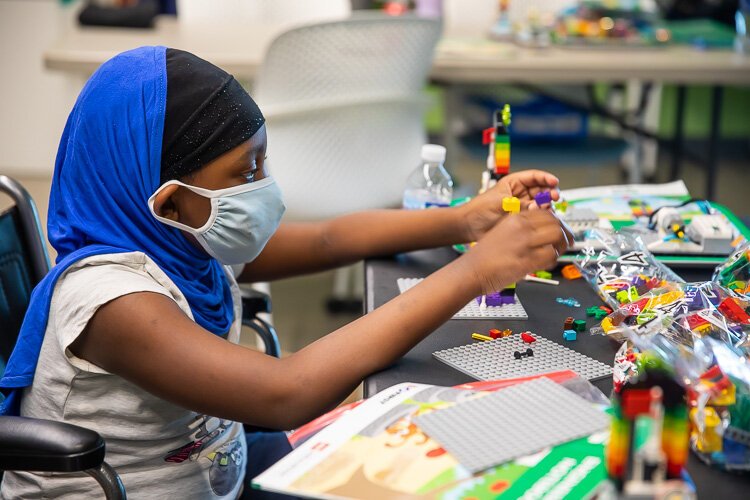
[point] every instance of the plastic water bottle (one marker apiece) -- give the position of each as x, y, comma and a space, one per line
430, 185
742, 26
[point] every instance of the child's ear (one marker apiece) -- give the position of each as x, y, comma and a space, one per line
164, 204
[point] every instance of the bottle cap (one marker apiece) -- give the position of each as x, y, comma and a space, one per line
433, 153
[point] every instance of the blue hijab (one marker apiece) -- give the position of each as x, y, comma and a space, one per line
107, 167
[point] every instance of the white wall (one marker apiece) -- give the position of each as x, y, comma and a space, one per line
34, 102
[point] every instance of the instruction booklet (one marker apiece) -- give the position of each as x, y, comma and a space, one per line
375, 451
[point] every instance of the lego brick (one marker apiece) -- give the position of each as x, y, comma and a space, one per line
579, 325
570, 301
517, 423
733, 311
494, 360
502, 139
473, 310
568, 323
545, 275
569, 335
494, 299
543, 198
596, 312
527, 337
511, 204
570, 272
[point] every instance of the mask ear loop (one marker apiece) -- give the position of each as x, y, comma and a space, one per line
198, 233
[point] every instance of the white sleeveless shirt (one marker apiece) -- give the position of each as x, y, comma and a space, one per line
160, 450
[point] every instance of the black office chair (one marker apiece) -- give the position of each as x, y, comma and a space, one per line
28, 444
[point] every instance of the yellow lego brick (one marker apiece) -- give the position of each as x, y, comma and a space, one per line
511, 204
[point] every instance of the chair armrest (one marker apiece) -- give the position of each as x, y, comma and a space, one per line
254, 302
30, 444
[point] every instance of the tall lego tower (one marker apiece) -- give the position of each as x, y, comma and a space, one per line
498, 157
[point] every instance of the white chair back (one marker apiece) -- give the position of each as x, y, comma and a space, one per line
344, 108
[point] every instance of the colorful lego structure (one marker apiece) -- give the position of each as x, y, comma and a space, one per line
498, 140
648, 444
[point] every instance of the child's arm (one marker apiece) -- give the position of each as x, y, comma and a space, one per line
146, 339
299, 248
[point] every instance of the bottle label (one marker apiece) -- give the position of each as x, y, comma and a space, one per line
431, 204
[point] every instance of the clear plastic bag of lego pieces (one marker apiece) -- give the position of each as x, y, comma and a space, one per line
620, 268
649, 313
734, 273
716, 376
720, 408
710, 310
683, 312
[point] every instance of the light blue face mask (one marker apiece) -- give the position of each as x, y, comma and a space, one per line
242, 219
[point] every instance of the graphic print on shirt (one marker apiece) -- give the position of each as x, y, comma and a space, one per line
226, 467
201, 438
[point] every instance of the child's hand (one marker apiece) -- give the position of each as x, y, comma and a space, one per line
520, 244
484, 211
526, 184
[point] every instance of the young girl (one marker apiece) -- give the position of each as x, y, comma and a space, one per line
160, 203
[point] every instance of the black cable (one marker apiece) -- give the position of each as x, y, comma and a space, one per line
652, 224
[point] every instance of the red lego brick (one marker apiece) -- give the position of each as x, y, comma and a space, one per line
733, 311
526, 337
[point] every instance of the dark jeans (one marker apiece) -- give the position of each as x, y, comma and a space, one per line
263, 450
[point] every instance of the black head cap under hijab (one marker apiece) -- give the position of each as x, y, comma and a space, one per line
207, 114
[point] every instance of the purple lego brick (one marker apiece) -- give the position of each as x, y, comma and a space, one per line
543, 198
498, 298
494, 299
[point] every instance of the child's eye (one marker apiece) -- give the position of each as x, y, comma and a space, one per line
250, 176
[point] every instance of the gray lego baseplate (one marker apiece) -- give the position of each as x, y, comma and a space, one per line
512, 423
492, 360
472, 309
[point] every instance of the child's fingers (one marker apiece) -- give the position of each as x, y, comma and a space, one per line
539, 178
544, 257
549, 230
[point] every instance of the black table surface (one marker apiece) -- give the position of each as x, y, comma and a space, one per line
546, 317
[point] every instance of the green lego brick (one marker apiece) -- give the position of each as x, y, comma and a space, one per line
579, 325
